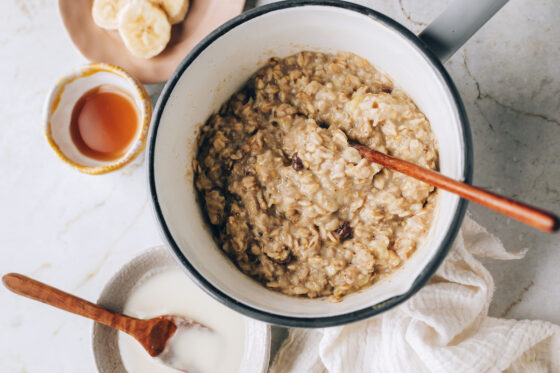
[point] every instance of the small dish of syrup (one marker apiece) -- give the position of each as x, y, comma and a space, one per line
96, 119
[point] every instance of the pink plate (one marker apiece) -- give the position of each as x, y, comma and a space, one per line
100, 45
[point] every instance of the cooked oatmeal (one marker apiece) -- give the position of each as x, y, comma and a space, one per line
291, 203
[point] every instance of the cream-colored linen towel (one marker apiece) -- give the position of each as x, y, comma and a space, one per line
444, 328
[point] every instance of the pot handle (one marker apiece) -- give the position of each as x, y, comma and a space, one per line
457, 24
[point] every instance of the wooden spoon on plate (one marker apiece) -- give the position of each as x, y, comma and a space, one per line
529, 215
155, 335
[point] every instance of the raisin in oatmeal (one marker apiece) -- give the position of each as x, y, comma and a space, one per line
291, 203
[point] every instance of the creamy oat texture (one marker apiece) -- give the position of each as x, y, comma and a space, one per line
290, 201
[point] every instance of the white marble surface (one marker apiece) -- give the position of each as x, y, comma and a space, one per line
73, 230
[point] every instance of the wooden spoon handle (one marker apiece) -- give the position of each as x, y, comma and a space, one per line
529, 215
36, 290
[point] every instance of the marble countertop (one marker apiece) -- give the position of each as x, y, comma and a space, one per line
74, 231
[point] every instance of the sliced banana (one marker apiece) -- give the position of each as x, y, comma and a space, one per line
175, 9
144, 28
105, 12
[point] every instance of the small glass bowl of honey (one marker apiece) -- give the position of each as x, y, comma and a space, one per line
97, 118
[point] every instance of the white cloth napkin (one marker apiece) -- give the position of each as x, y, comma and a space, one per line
444, 328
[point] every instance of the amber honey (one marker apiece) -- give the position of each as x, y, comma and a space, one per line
104, 123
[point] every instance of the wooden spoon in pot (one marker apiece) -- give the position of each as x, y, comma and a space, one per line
529, 215
155, 335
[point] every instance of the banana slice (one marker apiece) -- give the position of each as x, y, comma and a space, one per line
144, 28
175, 9
105, 12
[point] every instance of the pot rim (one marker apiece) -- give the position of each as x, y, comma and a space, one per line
324, 321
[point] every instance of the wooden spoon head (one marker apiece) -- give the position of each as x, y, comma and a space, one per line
159, 330
157, 333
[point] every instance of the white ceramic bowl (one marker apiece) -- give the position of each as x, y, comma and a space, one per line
62, 98
117, 291
218, 67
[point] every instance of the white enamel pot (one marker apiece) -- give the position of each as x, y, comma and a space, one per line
220, 65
